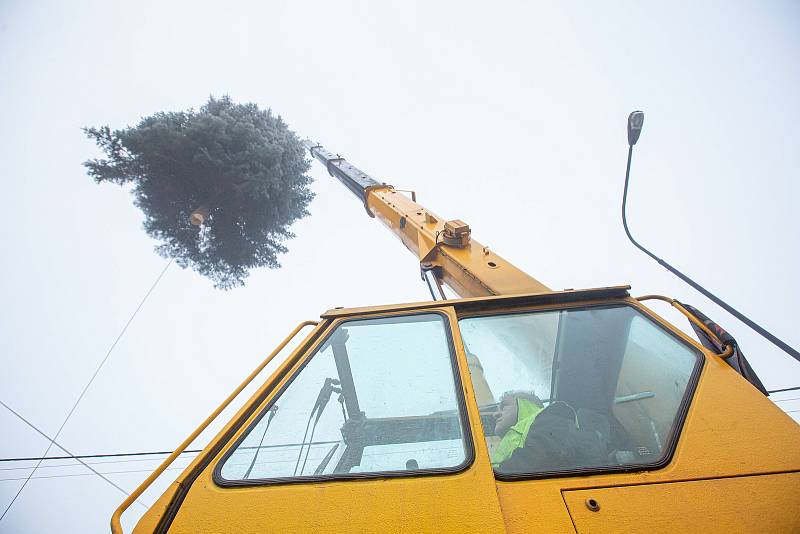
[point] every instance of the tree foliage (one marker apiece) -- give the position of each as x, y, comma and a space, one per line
238, 164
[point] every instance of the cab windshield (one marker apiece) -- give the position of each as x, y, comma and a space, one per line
577, 389
379, 396
558, 391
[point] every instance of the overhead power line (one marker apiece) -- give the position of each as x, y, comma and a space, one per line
96, 462
85, 389
68, 475
52, 442
784, 389
108, 455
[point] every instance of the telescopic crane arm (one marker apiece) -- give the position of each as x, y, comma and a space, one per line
445, 249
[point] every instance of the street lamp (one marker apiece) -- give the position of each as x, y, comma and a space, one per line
635, 122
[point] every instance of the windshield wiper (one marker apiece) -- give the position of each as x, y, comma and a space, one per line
325, 461
319, 406
272, 412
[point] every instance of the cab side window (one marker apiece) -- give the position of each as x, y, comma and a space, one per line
378, 396
591, 388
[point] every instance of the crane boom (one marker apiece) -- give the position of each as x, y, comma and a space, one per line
637, 419
445, 248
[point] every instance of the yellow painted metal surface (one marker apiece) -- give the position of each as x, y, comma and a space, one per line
731, 432
460, 502
735, 467
471, 271
451, 503
149, 521
116, 526
765, 503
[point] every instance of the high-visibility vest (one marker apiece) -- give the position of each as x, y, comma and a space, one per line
517, 434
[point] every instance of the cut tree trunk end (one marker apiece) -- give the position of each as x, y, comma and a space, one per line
199, 216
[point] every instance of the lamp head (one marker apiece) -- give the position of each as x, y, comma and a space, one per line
635, 121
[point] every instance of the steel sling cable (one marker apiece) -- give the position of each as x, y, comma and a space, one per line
86, 387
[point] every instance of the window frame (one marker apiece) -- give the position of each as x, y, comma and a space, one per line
467, 438
670, 445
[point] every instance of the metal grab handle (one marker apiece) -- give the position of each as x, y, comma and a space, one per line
692, 319
116, 525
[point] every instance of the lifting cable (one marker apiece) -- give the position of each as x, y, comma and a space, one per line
80, 397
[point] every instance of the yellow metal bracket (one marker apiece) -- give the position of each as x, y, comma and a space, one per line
369, 189
116, 525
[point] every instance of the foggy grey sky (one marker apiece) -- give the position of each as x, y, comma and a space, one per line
510, 116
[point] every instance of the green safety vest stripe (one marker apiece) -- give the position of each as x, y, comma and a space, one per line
517, 434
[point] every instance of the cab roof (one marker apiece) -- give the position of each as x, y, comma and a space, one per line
477, 303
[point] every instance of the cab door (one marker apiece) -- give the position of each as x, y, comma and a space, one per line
373, 430
610, 420
585, 394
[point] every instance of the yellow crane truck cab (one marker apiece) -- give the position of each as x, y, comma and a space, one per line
515, 409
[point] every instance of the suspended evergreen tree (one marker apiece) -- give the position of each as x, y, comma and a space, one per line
219, 187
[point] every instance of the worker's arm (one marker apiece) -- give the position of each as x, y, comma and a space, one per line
444, 247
